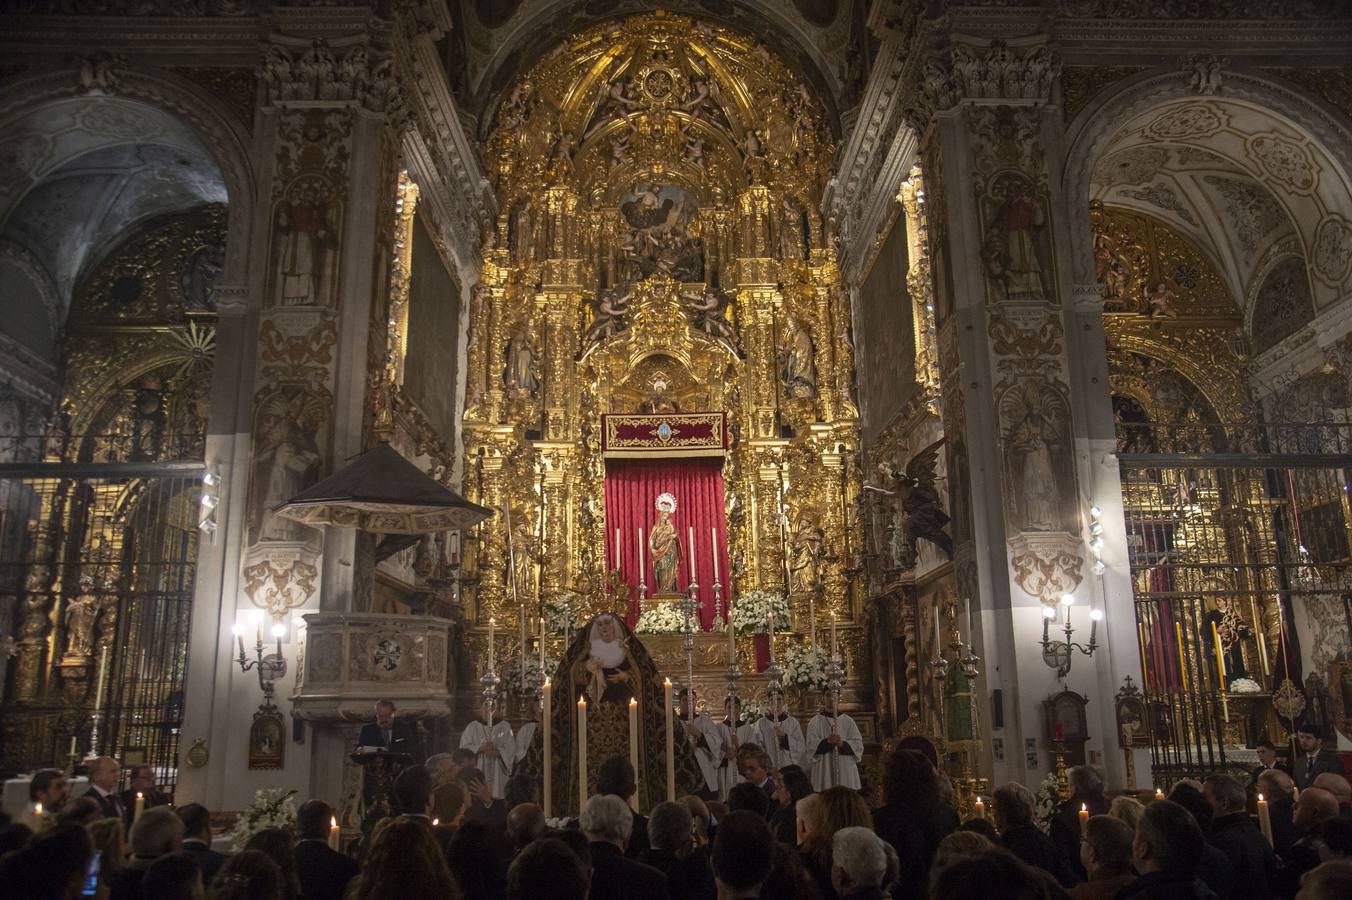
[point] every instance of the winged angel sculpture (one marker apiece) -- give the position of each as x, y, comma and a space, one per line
917, 509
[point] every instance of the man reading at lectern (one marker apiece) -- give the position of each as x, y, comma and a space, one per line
389, 733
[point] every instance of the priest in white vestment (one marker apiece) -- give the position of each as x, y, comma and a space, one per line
524, 735
495, 752
727, 765
829, 736
704, 740
782, 737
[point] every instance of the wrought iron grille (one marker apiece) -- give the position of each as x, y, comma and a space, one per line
123, 532
1236, 528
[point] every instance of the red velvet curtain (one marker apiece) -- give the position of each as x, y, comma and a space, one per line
632, 487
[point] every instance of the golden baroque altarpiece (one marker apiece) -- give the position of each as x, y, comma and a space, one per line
659, 249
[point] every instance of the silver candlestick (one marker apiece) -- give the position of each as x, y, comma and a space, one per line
719, 622
688, 608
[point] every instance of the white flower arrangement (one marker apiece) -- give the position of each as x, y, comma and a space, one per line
1048, 802
753, 710
1245, 686
664, 618
752, 609
270, 808
559, 615
805, 666
519, 684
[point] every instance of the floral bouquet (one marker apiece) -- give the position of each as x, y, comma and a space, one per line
753, 710
805, 666
524, 684
664, 618
1048, 802
271, 808
559, 615
752, 609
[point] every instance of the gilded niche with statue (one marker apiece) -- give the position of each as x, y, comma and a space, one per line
659, 252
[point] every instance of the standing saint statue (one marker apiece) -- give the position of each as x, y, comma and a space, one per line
796, 367
81, 615
665, 547
520, 377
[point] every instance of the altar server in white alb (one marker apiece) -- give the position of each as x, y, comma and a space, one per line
727, 765
495, 751
704, 740
781, 735
839, 733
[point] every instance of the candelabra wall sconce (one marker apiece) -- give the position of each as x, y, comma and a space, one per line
269, 666
1059, 654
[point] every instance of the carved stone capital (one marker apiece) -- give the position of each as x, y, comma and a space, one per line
974, 68
1046, 564
320, 72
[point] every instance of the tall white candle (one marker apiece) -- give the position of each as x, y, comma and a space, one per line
581, 752
833, 637
103, 677
633, 735
732, 643
713, 542
547, 719
671, 742
770, 622
937, 650
521, 615
618, 559
690, 551
642, 576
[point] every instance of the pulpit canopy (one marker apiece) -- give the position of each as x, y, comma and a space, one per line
383, 493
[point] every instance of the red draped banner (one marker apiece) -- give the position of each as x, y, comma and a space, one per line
632, 488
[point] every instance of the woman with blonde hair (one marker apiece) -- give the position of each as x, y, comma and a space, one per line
405, 863
837, 807
108, 839
1128, 809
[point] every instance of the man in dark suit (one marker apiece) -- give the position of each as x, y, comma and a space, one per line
1252, 862
1267, 759
1313, 760
197, 840
104, 773
674, 854
324, 873
1087, 791
607, 822
388, 732
753, 764
143, 783
616, 777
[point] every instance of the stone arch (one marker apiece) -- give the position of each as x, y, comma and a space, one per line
1327, 143
167, 99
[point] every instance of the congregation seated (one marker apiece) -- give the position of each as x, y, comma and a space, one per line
674, 854
197, 840
174, 876
1253, 865
157, 833
911, 847
616, 778
1105, 855
1165, 851
607, 822
1019, 835
323, 873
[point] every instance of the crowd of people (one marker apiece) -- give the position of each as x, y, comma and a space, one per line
775, 837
